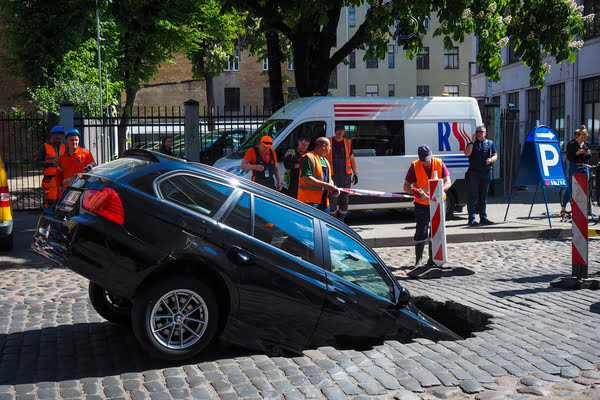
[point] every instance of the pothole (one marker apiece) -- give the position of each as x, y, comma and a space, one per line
457, 317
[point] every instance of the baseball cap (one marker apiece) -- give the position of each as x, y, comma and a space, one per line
424, 153
267, 141
72, 132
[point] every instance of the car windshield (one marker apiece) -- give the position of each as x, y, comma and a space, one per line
271, 127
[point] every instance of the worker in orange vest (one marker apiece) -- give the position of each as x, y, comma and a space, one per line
341, 158
47, 158
315, 177
417, 181
73, 160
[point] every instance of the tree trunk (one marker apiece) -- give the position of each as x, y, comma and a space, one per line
124, 122
275, 57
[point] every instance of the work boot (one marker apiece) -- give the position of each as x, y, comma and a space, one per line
342, 215
419, 247
430, 251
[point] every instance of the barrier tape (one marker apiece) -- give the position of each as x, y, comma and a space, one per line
373, 193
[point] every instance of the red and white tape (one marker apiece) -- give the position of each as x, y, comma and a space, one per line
373, 193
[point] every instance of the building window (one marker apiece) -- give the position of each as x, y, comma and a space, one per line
333, 79
372, 90
426, 23
373, 63
352, 59
511, 52
452, 90
423, 59
451, 58
351, 16
232, 99
533, 108
290, 66
591, 107
265, 64
267, 99
592, 29
512, 100
391, 90
352, 90
391, 60
557, 110
423, 90
233, 63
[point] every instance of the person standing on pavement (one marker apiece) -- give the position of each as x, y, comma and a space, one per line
291, 162
47, 158
482, 154
262, 161
73, 160
418, 176
316, 181
341, 158
578, 152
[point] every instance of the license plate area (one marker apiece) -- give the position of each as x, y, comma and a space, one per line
70, 199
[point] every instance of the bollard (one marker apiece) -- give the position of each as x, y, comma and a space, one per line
579, 247
437, 212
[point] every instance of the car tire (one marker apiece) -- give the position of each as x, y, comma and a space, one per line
112, 308
6, 243
185, 333
450, 204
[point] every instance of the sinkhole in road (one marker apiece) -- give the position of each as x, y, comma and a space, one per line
457, 317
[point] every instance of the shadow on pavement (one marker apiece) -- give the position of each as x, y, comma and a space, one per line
509, 293
595, 308
532, 279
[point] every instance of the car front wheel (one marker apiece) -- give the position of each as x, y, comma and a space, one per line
111, 307
175, 319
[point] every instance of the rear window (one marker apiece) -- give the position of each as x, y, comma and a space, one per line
121, 167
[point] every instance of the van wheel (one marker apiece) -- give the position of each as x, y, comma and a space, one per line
450, 204
6, 243
175, 318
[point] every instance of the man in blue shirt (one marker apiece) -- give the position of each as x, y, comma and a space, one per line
482, 154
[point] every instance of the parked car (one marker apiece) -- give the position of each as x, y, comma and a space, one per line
185, 252
221, 143
6, 214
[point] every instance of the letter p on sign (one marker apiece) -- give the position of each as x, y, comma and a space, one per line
548, 156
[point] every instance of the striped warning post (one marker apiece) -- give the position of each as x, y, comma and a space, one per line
437, 213
579, 248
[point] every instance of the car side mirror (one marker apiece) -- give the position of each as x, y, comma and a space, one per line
403, 298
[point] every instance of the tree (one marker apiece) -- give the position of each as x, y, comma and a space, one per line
310, 26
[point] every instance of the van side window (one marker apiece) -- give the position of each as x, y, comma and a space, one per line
311, 129
375, 138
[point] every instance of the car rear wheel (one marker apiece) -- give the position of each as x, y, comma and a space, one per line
111, 307
175, 319
6, 243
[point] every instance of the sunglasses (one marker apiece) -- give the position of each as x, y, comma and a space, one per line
479, 131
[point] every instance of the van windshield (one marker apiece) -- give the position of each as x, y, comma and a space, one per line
271, 127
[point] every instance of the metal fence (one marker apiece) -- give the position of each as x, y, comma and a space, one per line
510, 148
21, 137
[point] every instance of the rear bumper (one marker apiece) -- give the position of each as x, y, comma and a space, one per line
6, 228
48, 241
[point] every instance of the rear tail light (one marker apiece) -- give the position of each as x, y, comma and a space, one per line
105, 203
4, 197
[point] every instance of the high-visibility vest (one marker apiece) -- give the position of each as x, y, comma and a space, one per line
70, 165
312, 194
52, 156
423, 179
347, 148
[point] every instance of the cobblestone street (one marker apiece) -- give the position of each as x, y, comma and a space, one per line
540, 342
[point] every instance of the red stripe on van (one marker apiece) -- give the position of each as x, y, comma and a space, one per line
354, 115
360, 109
371, 105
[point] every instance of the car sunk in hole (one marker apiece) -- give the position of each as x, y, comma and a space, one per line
186, 253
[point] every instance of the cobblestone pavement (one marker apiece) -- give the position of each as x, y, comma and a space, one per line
541, 342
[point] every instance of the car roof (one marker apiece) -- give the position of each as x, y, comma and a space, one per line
165, 163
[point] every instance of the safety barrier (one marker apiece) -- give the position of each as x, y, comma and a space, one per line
579, 247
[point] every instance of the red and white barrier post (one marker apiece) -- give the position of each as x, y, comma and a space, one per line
579, 248
437, 213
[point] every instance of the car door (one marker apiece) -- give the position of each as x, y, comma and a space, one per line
281, 288
360, 303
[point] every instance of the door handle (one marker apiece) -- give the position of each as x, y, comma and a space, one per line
241, 256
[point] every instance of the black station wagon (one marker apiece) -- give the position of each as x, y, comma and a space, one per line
186, 253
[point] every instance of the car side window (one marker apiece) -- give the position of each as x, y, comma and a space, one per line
199, 195
352, 262
311, 129
240, 218
285, 229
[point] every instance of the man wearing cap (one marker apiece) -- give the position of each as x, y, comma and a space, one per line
341, 158
417, 177
262, 161
47, 158
73, 160
315, 177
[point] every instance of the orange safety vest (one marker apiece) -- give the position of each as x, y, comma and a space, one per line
52, 156
308, 193
347, 147
423, 179
70, 165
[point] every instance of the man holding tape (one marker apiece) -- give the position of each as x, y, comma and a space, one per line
316, 180
417, 181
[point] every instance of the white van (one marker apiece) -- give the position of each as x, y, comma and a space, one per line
385, 134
